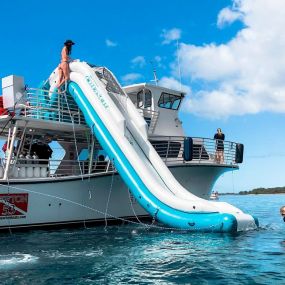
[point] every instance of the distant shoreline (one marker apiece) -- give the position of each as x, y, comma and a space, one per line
257, 191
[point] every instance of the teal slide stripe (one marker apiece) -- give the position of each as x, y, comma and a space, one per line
206, 222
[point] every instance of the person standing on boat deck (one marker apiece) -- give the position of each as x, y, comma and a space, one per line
219, 137
63, 67
282, 212
5, 146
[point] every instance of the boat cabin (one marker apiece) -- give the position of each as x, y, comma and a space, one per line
159, 107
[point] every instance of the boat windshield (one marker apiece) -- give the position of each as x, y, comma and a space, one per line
169, 101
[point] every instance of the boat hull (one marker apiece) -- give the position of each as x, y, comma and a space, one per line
98, 199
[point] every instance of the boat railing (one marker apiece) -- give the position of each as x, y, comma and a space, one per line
52, 106
52, 168
82, 167
170, 149
204, 150
61, 107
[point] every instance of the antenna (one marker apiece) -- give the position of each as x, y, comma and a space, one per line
154, 73
178, 62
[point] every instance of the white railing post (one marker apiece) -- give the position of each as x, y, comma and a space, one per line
58, 106
91, 155
10, 153
168, 144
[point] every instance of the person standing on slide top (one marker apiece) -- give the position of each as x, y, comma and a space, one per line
63, 68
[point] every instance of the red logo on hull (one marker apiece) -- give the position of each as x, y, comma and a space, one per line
13, 206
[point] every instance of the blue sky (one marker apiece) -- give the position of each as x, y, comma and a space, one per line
230, 63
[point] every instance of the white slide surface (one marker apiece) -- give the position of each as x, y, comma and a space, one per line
124, 137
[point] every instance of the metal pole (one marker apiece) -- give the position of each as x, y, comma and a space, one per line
11, 150
58, 106
20, 146
91, 155
178, 61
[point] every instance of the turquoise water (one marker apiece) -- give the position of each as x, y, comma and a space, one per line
132, 254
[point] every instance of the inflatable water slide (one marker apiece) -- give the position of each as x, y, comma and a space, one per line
122, 132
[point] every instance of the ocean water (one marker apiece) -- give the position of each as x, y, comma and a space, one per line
134, 254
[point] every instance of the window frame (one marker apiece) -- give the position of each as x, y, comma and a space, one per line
147, 92
140, 103
142, 96
172, 102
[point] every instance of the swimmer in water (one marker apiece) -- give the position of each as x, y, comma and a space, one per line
282, 212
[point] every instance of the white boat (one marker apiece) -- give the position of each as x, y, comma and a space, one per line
214, 195
125, 157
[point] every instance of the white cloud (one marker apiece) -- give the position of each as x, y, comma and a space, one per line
228, 16
110, 43
138, 61
245, 75
170, 35
172, 83
131, 78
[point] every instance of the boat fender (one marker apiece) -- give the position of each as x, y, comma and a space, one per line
29, 168
43, 171
16, 172
239, 153
188, 149
22, 171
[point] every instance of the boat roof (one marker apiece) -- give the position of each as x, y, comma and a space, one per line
134, 87
43, 126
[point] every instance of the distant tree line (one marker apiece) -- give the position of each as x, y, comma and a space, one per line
276, 190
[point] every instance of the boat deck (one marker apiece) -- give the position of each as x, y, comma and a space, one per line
56, 115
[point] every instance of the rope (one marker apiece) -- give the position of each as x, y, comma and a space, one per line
8, 220
233, 184
133, 210
97, 211
75, 142
74, 135
108, 201
8, 181
8, 186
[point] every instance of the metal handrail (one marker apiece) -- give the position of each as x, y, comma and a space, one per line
53, 106
32, 168
152, 115
39, 104
171, 149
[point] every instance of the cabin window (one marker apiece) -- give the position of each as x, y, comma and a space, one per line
147, 98
140, 99
169, 101
144, 99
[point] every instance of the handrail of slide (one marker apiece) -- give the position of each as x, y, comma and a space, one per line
149, 189
134, 120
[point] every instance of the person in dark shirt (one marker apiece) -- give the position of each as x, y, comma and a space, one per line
42, 150
282, 212
219, 137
